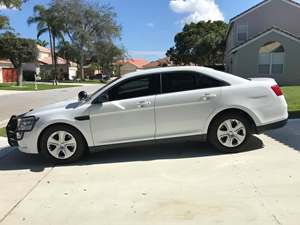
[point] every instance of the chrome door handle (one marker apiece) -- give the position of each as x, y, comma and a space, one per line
142, 104
208, 96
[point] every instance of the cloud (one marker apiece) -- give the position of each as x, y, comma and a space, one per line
198, 10
146, 53
151, 25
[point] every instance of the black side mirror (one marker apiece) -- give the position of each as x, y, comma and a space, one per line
82, 95
100, 99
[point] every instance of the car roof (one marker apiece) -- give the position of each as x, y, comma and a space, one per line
200, 69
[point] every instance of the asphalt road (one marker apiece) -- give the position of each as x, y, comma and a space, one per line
12, 104
189, 183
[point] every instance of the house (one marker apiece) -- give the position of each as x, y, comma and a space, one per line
163, 62
132, 65
43, 66
264, 41
7, 71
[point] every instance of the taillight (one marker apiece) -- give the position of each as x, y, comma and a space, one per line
277, 90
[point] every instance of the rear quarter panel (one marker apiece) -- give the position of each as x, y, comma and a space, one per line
256, 99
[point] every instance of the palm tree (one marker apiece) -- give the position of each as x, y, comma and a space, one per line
48, 22
42, 42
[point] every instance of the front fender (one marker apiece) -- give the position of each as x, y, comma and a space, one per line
82, 126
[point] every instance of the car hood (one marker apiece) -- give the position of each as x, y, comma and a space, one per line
60, 106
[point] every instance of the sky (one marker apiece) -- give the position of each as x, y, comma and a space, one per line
148, 26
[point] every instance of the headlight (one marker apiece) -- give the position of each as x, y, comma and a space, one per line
26, 124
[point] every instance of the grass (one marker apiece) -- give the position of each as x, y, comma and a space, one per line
292, 96
31, 87
2, 132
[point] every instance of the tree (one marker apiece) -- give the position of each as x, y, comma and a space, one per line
105, 53
18, 51
4, 22
86, 23
42, 42
67, 51
200, 43
12, 3
48, 21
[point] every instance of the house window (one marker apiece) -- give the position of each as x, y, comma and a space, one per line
242, 33
271, 58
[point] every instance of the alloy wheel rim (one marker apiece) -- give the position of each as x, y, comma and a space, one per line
231, 133
61, 145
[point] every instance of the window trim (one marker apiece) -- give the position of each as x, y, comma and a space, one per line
247, 32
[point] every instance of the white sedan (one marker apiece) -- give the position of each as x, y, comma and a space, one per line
165, 104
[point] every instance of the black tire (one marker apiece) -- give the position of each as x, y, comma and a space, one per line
216, 123
79, 151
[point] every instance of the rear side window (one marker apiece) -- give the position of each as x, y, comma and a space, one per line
187, 81
178, 81
135, 87
204, 81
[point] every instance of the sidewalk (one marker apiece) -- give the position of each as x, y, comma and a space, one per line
7, 92
67, 83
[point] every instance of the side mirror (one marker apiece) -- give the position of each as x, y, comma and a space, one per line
82, 95
101, 99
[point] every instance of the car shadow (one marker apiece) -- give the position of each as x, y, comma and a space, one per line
288, 135
16, 160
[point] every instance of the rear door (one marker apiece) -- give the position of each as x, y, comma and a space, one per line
187, 100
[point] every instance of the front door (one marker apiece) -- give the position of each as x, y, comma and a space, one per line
129, 114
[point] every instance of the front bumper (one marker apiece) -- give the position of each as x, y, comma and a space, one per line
271, 126
11, 131
23, 141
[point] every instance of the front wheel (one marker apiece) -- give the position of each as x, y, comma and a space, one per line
62, 144
230, 133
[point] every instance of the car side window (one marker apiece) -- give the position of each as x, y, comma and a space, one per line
204, 81
187, 81
178, 81
135, 87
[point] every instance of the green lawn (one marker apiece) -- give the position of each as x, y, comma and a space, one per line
31, 87
292, 96
2, 132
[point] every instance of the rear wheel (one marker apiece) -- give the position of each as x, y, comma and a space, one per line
230, 133
62, 144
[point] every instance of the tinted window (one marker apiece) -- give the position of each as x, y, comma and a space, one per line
178, 81
208, 82
135, 87
186, 81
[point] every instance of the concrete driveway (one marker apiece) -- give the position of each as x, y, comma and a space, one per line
188, 183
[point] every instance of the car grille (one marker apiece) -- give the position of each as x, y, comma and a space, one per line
11, 131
